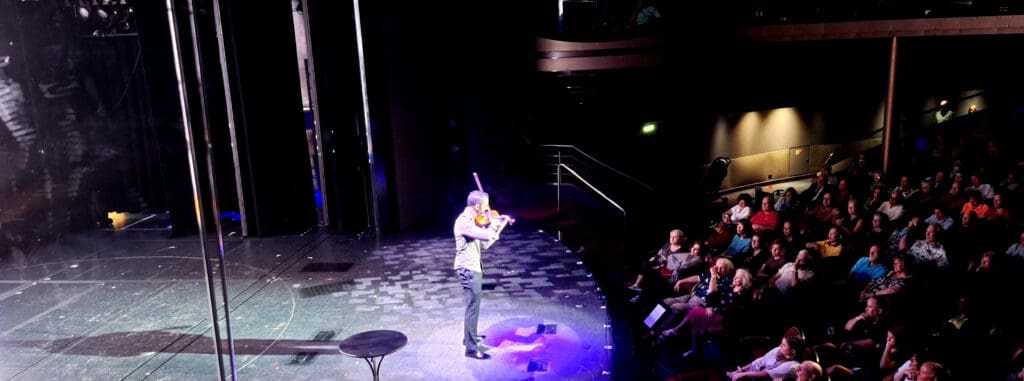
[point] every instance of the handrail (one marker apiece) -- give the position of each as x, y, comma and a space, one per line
585, 182
842, 146
781, 179
767, 182
616, 171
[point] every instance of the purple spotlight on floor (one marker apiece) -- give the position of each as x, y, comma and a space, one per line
535, 348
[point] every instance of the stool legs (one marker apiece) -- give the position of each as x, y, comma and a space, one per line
374, 363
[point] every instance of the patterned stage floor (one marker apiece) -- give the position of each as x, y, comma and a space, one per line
121, 305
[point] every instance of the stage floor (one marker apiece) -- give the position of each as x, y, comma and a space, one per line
113, 305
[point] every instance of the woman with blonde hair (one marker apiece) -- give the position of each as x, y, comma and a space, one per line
709, 319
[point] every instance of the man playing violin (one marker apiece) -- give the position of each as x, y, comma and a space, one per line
471, 237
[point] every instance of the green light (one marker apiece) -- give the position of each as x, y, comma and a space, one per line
649, 128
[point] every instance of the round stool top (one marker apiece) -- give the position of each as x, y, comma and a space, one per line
373, 343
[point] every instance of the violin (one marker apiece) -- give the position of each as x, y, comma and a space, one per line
485, 217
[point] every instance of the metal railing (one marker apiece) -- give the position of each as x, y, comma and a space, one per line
561, 159
588, 184
583, 163
837, 155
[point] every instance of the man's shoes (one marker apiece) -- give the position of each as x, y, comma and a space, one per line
475, 354
480, 339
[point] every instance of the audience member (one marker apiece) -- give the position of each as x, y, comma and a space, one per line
741, 210
655, 272
779, 363
765, 220
868, 268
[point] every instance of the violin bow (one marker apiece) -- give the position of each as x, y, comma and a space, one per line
505, 220
479, 185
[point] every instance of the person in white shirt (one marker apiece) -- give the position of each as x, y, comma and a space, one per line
741, 210
470, 239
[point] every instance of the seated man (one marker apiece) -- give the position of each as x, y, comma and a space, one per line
833, 263
1015, 253
794, 275
984, 190
821, 216
766, 219
904, 188
868, 268
929, 252
940, 218
720, 236
862, 336
894, 207
931, 371
831, 247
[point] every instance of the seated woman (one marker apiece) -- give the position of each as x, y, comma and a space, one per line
740, 211
851, 224
907, 371
780, 362
708, 320
890, 284
759, 252
772, 264
791, 238
684, 265
718, 276
788, 206
878, 233
740, 246
655, 271
874, 199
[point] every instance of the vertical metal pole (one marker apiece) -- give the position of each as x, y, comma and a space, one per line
230, 104
558, 188
314, 102
366, 119
204, 115
194, 176
558, 183
887, 132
